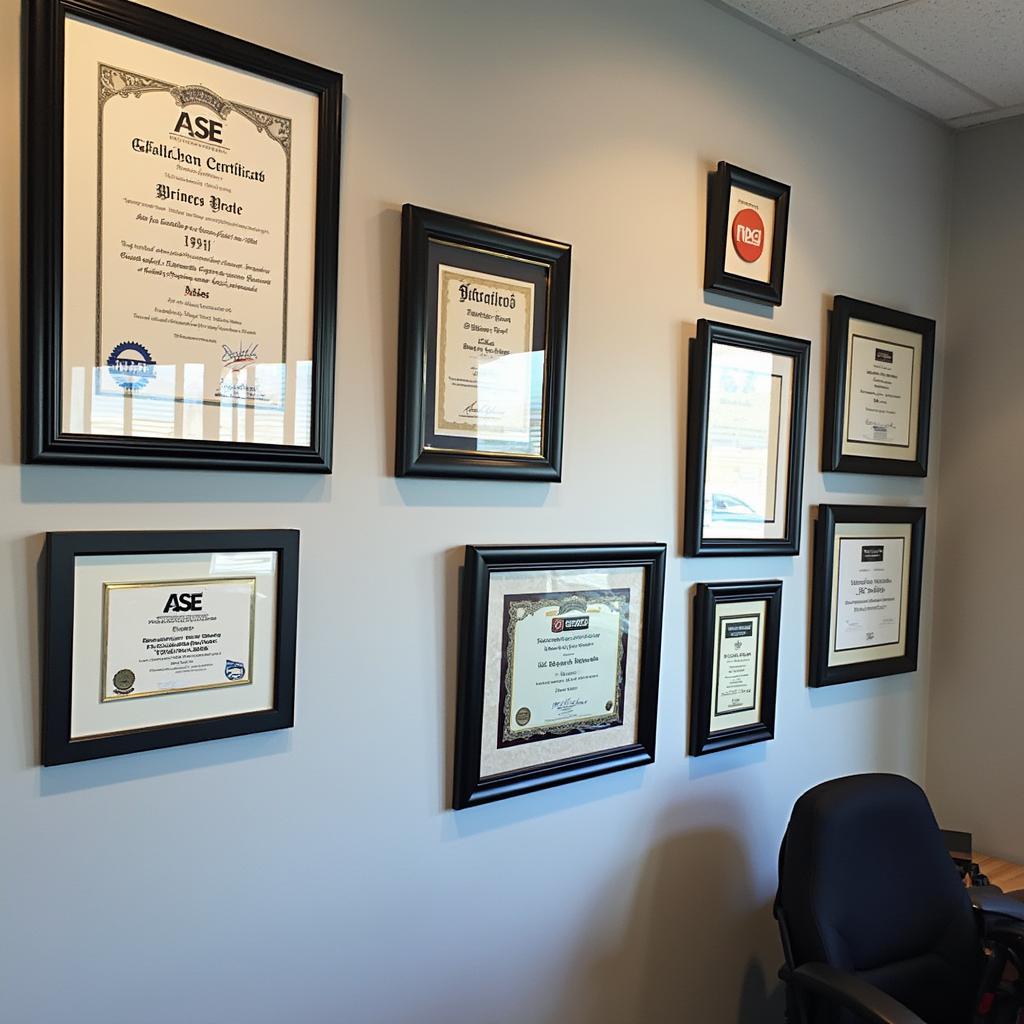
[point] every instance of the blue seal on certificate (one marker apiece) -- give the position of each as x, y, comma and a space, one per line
131, 366
234, 669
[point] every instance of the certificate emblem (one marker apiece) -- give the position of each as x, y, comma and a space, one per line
523, 716
124, 680
748, 235
234, 669
131, 366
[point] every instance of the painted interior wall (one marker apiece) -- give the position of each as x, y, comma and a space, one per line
977, 701
316, 875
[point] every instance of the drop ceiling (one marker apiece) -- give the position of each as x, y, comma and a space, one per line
962, 61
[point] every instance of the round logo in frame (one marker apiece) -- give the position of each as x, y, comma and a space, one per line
523, 717
748, 235
124, 680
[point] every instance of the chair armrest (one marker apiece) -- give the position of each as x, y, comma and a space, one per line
990, 900
860, 997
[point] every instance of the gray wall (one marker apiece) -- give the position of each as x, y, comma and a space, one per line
316, 875
974, 750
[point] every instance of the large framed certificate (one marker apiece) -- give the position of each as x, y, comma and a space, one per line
745, 442
154, 639
181, 244
482, 349
866, 604
735, 664
558, 666
878, 390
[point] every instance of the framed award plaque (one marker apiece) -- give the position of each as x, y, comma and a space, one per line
154, 639
559, 656
745, 442
748, 216
878, 390
482, 348
866, 602
181, 244
735, 664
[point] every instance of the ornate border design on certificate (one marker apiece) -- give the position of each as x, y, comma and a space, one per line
203, 619
559, 658
181, 244
878, 390
745, 442
745, 252
482, 349
735, 664
866, 604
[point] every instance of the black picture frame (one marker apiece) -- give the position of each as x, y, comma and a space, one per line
42, 242
716, 278
834, 424
469, 788
829, 517
60, 553
709, 334
486, 245
707, 597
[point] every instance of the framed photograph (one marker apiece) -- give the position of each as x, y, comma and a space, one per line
866, 603
735, 664
745, 254
481, 351
745, 442
878, 392
559, 656
155, 639
181, 244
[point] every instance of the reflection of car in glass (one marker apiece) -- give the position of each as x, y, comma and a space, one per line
729, 508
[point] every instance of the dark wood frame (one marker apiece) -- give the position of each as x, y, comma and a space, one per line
716, 278
42, 240
412, 458
821, 597
706, 598
59, 555
709, 333
468, 787
834, 421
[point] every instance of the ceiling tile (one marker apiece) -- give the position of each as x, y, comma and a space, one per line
794, 16
977, 42
874, 60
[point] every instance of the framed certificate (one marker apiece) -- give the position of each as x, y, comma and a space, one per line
878, 390
745, 442
154, 639
559, 657
181, 244
866, 604
482, 347
735, 664
748, 215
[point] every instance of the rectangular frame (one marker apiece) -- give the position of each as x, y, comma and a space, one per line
413, 457
705, 601
833, 460
829, 516
710, 333
469, 788
60, 554
43, 219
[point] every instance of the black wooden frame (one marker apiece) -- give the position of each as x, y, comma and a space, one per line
821, 597
468, 787
710, 333
42, 240
834, 421
716, 278
60, 553
412, 457
706, 597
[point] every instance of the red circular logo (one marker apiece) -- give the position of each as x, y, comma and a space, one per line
748, 235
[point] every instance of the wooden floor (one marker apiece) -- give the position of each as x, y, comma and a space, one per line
1009, 877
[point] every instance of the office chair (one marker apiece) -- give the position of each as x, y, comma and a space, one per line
876, 923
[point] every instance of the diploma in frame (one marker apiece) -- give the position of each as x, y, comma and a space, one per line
735, 664
181, 191
155, 639
878, 390
559, 658
866, 602
745, 442
482, 349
